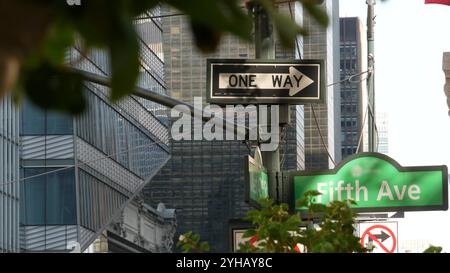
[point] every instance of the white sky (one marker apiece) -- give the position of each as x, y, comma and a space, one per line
410, 38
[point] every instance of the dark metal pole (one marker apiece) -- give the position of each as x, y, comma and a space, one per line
371, 74
264, 50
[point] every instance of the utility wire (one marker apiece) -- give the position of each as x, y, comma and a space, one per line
376, 131
161, 142
283, 138
362, 129
320, 134
311, 106
349, 78
93, 161
161, 16
84, 163
371, 111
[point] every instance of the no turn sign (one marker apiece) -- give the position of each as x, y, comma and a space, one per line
381, 236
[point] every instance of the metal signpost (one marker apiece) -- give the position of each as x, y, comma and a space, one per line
239, 81
257, 181
377, 183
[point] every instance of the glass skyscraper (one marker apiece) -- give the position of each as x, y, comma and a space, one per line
323, 44
382, 120
204, 180
352, 112
77, 174
9, 175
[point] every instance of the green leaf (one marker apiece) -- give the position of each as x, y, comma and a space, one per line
301, 203
186, 248
214, 17
249, 233
137, 7
317, 207
196, 238
433, 249
55, 89
204, 246
316, 11
312, 193
59, 37
206, 39
124, 50
287, 29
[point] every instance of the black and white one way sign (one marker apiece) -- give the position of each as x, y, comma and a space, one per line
239, 81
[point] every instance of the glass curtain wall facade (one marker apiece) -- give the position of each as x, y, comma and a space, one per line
382, 120
9, 176
351, 91
204, 180
323, 44
79, 173
292, 138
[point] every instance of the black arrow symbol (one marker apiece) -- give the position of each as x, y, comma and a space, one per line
382, 236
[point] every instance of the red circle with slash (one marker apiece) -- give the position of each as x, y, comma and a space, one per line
375, 239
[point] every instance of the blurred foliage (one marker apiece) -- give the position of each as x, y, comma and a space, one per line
328, 229
276, 230
433, 249
36, 35
190, 242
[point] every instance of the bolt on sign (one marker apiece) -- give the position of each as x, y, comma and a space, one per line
240, 81
257, 181
376, 183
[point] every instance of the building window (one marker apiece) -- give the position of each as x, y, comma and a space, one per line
37, 121
58, 124
33, 199
33, 119
48, 199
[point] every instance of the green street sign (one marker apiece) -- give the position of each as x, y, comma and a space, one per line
377, 183
257, 182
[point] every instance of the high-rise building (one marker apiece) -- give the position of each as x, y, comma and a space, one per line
414, 246
292, 138
323, 43
204, 180
382, 119
9, 175
77, 174
352, 113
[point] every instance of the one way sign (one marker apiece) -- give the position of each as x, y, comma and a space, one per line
239, 81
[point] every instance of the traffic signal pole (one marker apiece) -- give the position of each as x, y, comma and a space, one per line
371, 74
264, 50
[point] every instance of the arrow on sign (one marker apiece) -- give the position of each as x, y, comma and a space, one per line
382, 236
295, 81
